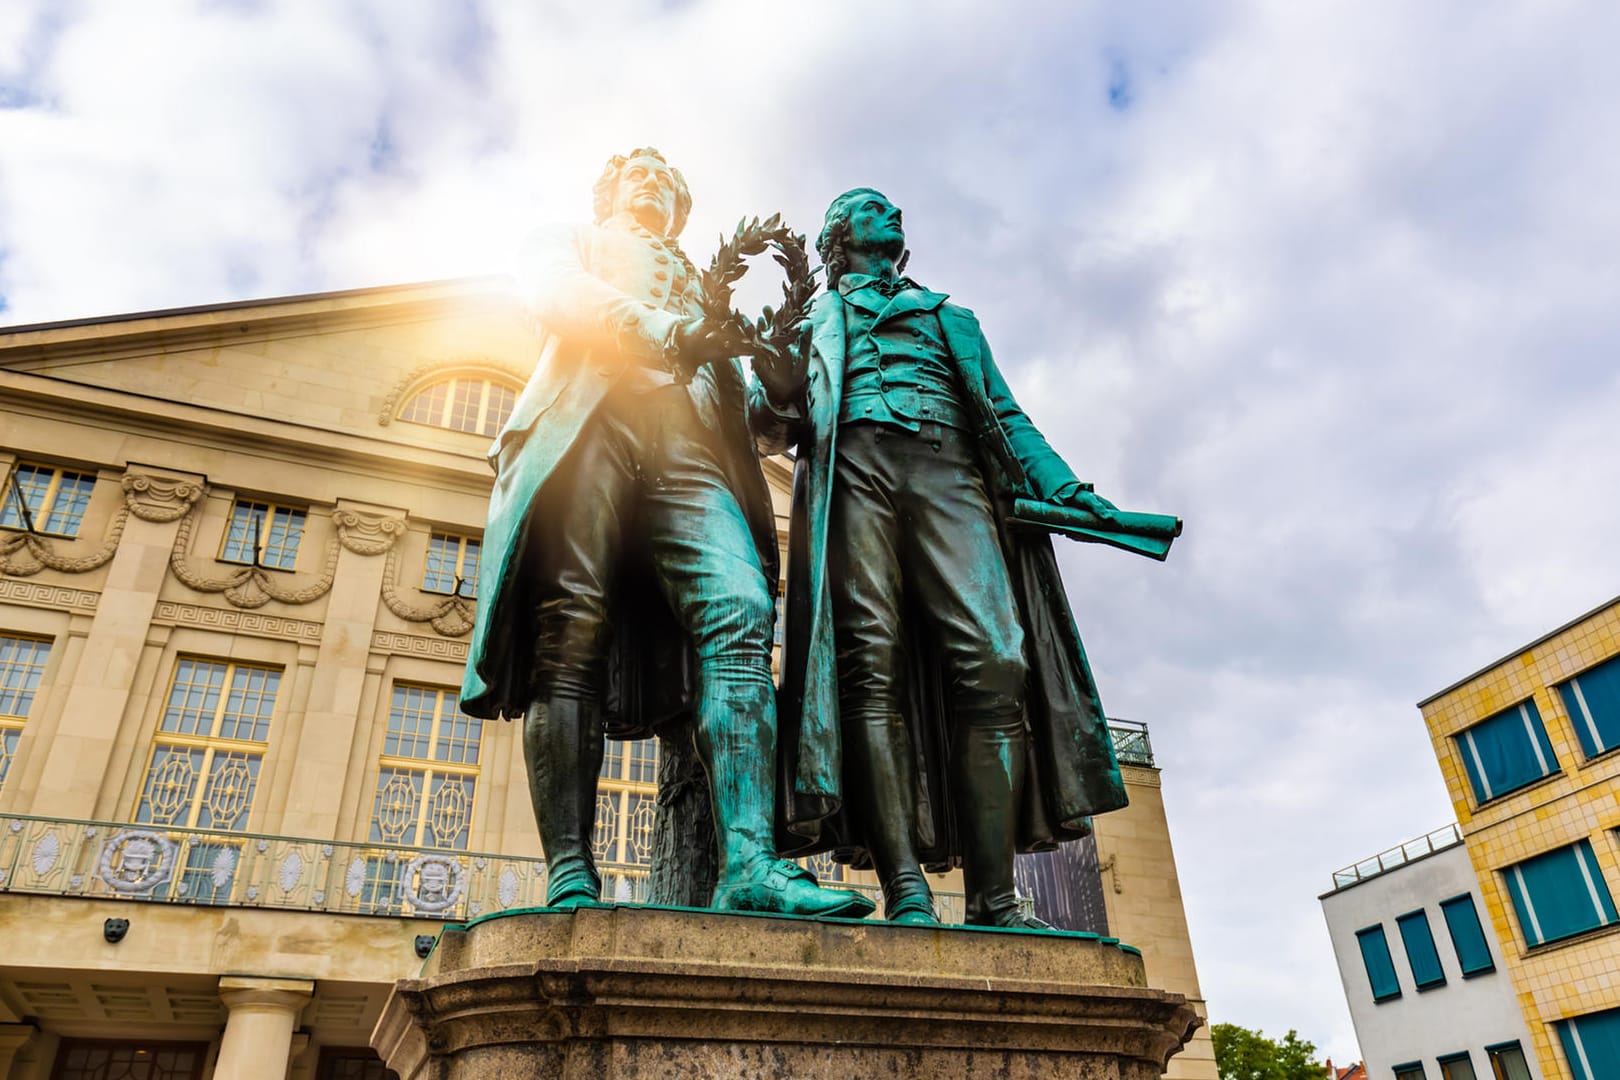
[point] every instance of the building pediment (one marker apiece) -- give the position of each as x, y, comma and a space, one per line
346, 362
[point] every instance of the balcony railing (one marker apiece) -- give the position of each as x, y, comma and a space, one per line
1131, 743
114, 860
1384, 861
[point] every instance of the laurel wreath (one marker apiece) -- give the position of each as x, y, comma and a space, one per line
777, 330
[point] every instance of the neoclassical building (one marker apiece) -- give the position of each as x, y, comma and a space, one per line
238, 563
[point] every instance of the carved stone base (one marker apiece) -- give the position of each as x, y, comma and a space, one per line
636, 993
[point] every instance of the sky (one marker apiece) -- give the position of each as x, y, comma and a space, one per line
1336, 282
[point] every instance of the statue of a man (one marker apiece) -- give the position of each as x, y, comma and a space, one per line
630, 526
934, 681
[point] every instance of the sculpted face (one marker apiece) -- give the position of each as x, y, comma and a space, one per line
646, 190
874, 225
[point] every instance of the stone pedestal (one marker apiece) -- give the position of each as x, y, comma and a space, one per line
636, 993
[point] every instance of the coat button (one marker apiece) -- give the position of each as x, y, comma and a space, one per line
659, 275
660, 258
657, 292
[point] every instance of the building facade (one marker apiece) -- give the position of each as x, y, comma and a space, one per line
238, 562
1429, 993
1526, 747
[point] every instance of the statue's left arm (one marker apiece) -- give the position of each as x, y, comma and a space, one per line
1050, 477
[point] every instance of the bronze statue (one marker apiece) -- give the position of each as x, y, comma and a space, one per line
937, 703
630, 564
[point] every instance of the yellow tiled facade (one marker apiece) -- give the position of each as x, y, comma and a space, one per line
225, 655
1580, 801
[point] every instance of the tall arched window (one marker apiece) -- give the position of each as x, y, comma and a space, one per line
473, 403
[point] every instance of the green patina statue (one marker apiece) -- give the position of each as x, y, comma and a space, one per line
936, 702
630, 561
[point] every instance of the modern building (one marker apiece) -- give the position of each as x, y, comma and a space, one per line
238, 551
1527, 748
1428, 991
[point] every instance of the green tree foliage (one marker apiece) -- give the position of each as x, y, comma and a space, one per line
1241, 1054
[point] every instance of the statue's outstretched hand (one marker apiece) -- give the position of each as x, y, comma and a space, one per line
782, 371
1086, 499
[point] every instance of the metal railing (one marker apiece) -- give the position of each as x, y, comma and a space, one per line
1384, 861
117, 860
1131, 743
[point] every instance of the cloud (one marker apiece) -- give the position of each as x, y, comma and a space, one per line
1333, 281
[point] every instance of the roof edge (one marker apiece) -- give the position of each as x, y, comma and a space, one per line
1548, 636
467, 284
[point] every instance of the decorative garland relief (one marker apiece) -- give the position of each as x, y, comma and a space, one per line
155, 499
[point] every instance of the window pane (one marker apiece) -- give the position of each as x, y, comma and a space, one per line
22, 662
463, 403
1506, 752
410, 722
1593, 701
397, 806
449, 813
1507, 1062
459, 734
427, 407
1559, 894
251, 702
644, 761
440, 575
67, 508
499, 409
286, 529
382, 892
246, 526
1592, 1044
1467, 936
232, 778
1380, 968
9, 738
1457, 1068
1410, 1071
1420, 951
171, 784
194, 697
35, 482
466, 397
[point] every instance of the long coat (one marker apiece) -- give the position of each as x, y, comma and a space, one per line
1074, 772
603, 298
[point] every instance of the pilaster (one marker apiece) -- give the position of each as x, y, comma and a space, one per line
75, 767
337, 681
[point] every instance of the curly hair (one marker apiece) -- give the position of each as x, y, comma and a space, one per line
833, 243
602, 192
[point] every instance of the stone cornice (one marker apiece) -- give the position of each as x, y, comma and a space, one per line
57, 399
142, 332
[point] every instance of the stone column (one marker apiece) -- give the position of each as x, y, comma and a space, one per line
259, 1030
320, 758
75, 768
12, 1038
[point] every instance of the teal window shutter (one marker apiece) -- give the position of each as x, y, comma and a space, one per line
1592, 1044
1380, 968
1592, 700
1506, 752
1559, 894
1467, 936
1420, 951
